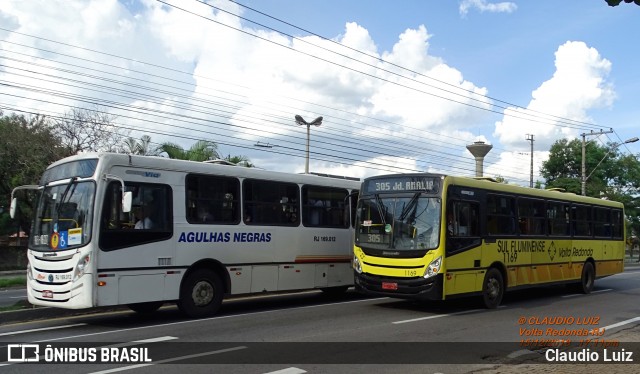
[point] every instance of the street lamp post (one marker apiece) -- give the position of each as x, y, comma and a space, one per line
316, 122
584, 178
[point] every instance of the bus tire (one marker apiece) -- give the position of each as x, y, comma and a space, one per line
146, 308
201, 294
587, 279
492, 288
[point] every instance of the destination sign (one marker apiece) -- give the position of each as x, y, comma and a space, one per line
402, 183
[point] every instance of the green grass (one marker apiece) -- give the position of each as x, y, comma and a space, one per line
19, 305
16, 281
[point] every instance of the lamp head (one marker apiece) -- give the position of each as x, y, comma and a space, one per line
317, 121
300, 120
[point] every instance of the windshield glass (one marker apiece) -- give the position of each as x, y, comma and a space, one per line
63, 216
409, 222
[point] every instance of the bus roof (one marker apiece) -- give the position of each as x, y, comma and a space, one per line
108, 160
492, 185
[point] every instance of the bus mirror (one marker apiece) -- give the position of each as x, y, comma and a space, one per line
12, 208
127, 199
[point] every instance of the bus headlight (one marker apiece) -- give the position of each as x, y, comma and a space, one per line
433, 268
80, 268
356, 265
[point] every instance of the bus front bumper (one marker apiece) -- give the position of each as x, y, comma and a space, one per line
405, 288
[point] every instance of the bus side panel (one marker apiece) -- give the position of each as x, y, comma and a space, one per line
240, 279
460, 276
296, 276
140, 288
612, 258
264, 278
604, 268
339, 275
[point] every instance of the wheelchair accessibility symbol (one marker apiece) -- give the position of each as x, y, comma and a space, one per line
64, 240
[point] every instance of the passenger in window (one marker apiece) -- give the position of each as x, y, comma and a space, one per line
316, 211
144, 213
451, 224
204, 215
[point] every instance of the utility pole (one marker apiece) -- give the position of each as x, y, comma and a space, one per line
583, 179
530, 138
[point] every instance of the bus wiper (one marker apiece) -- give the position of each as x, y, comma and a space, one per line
64, 194
381, 208
409, 206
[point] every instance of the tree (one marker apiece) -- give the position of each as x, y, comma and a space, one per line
500, 179
83, 130
202, 150
617, 2
142, 147
239, 160
27, 146
563, 169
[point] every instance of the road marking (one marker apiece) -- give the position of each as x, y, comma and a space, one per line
288, 371
622, 323
115, 370
143, 341
437, 316
582, 294
42, 329
155, 340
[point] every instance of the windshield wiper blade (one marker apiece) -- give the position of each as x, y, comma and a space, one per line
409, 206
381, 208
64, 194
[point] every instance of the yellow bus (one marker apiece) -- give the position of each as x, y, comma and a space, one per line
435, 237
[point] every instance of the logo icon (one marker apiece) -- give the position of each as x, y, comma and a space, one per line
23, 353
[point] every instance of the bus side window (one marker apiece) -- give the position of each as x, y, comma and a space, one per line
462, 225
114, 220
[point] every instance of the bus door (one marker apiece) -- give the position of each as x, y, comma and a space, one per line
463, 247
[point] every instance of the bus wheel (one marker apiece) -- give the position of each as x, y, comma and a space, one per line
146, 308
492, 288
588, 278
201, 294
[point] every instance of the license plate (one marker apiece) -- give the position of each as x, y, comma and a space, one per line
389, 286
47, 294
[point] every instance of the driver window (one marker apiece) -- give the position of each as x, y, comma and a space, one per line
463, 225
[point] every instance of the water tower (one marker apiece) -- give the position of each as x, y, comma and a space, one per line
479, 149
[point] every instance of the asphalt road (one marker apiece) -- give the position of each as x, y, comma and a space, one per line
307, 332
10, 296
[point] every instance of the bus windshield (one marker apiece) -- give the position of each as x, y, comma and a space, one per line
408, 222
63, 216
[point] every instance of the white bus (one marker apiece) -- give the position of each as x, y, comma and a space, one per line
183, 231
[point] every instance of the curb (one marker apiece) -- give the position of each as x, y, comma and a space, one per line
11, 273
41, 313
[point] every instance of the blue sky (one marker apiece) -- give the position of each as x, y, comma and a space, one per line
215, 76
510, 53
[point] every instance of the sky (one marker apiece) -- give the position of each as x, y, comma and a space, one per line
400, 86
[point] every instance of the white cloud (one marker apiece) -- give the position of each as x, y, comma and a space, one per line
578, 85
483, 6
214, 82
